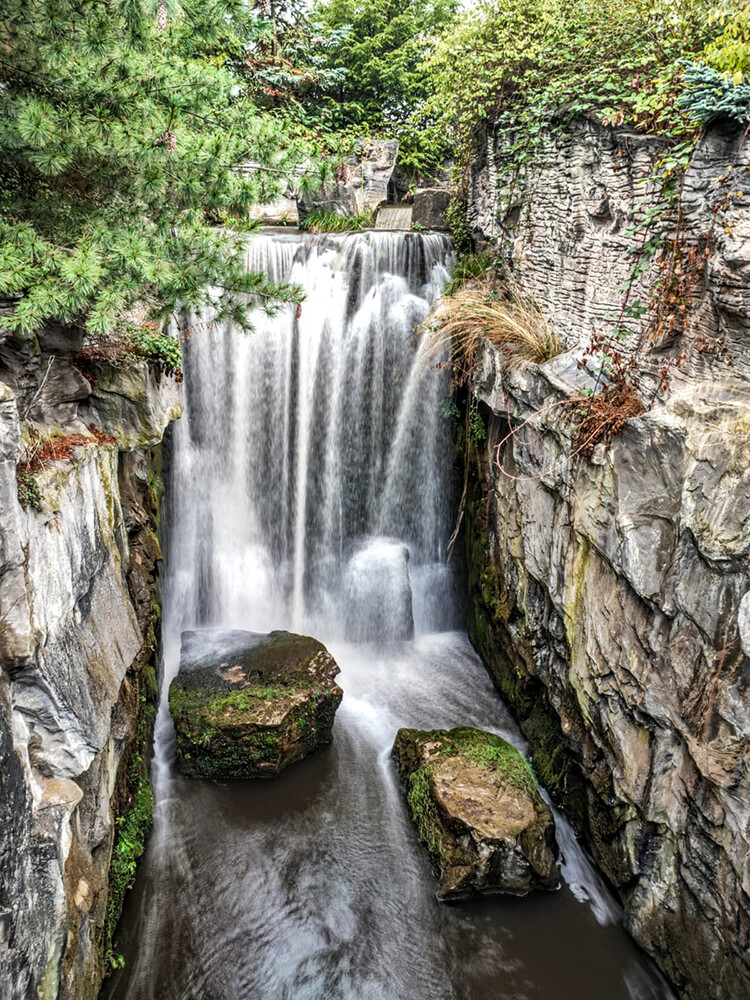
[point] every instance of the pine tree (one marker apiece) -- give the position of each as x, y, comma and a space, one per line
121, 126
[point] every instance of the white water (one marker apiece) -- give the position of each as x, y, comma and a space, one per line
310, 488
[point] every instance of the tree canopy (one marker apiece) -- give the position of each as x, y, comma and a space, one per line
121, 125
380, 48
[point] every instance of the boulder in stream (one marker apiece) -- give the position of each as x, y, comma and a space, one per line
478, 810
246, 705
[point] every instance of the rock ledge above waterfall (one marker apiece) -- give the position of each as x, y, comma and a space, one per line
246, 705
478, 810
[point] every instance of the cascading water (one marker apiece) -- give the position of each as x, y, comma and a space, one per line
310, 489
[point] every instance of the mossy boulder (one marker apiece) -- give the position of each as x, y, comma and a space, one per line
246, 705
478, 810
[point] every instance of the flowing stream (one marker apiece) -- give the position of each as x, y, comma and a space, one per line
310, 488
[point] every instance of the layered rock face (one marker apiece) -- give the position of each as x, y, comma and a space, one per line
79, 615
608, 594
477, 809
247, 705
361, 186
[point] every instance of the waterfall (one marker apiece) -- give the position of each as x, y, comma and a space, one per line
309, 487
311, 435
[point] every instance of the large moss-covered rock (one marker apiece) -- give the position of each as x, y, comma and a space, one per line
246, 705
478, 810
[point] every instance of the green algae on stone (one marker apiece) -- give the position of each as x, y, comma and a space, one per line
247, 705
478, 810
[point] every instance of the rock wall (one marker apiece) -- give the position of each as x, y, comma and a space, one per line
78, 628
361, 186
609, 597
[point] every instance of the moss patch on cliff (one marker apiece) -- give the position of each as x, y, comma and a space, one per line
498, 630
426, 817
132, 825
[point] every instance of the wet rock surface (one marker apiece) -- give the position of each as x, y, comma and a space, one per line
79, 610
247, 705
430, 207
478, 810
609, 597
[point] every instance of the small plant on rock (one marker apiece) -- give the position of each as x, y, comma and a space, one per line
29, 494
509, 320
324, 221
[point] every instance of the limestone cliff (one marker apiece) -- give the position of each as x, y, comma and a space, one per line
609, 596
79, 614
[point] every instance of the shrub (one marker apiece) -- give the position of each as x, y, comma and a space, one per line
120, 350
470, 266
510, 321
29, 494
324, 221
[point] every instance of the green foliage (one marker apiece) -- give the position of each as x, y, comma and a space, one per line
458, 225
529, 64
729, 51
29, 494
132, 828
379, 48
155, 345
710, 93
323, 221
477, 430
473, 266
118, 147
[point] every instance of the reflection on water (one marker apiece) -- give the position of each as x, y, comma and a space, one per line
313, 885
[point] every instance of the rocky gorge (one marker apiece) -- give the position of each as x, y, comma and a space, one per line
80, 609
608, 595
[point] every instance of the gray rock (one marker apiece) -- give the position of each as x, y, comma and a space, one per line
479, 812
247, 705
617, 587
366, 186
743, 623
76, 605
430, 206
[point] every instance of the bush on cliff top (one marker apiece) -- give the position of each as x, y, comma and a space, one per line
517, 62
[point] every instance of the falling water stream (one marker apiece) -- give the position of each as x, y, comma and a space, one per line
310, 488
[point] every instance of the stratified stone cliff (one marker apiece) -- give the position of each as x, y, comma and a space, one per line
78, 623
609, 596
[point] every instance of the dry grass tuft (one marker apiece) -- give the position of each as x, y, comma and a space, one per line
482, 311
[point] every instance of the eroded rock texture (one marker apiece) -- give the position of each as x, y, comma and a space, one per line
609, 596
362, 184
478, 811
247, 705
78, 614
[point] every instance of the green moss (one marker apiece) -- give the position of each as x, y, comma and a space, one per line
131, 829
487, 749
496, 753
425, 815
548, 751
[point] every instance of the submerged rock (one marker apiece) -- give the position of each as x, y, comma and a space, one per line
246, 705
378, 592
478, 810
